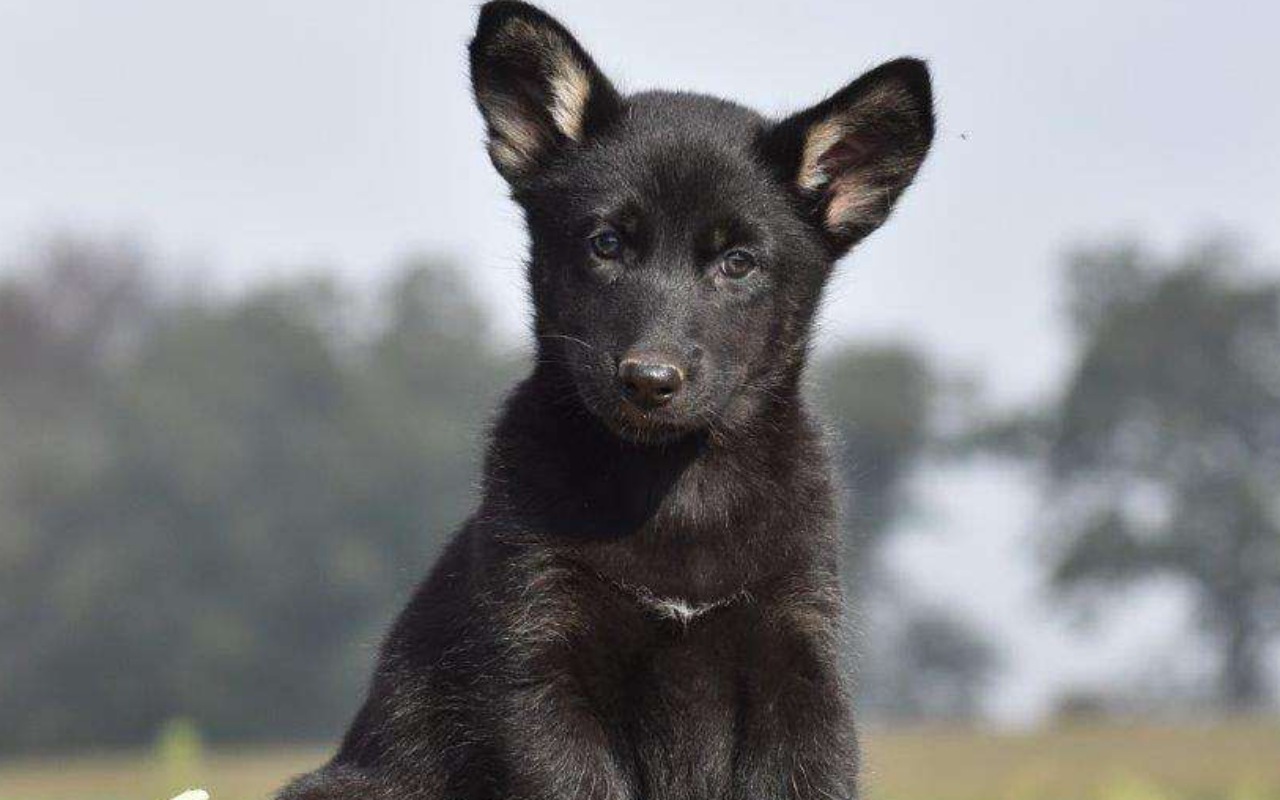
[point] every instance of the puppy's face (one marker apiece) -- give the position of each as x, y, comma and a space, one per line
680, 243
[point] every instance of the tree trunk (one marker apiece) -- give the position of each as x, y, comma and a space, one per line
1241, 678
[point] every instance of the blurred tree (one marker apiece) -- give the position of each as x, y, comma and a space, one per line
213, 517
881, 401
929, 664
889, 407
1164, 451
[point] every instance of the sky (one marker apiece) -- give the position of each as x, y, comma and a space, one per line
250, 139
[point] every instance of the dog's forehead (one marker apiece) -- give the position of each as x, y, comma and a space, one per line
694, 114
687, 156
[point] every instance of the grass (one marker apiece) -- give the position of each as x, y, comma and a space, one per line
226, 774
1240, 761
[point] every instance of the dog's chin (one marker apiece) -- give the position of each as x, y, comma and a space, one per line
637, 426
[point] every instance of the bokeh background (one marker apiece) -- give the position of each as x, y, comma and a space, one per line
260, 291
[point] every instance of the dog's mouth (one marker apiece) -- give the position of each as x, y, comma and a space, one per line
643, 426
651, 425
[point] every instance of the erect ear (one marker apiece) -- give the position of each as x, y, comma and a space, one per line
537, 88
851, 156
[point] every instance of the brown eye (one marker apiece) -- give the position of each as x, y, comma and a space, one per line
606, 244
737, 264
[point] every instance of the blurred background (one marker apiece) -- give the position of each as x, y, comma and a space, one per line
260, 291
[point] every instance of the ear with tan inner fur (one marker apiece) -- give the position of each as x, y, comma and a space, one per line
537, 88
851, 156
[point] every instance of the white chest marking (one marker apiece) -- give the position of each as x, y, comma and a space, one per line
678, 609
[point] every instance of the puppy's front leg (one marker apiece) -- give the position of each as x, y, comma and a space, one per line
557, 748
798, 739
800, 747
554, 743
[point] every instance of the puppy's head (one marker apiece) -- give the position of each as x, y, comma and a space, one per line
680, 243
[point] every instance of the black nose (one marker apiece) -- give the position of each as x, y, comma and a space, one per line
649, 382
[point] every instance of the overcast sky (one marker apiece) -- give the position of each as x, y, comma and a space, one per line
257, 137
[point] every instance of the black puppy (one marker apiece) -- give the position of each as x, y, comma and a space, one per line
646, 603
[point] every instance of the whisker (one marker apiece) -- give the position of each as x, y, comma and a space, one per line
567, 338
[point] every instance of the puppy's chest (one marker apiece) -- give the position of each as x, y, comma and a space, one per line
673, 679
663, 679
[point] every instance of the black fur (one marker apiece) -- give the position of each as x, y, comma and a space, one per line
646, 603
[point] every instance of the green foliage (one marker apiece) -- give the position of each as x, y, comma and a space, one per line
881, 401
215, 516
1164, 451
884, 401
922, 663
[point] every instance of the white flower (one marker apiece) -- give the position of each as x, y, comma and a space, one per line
193, 794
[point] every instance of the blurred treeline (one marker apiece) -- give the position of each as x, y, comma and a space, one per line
211, 505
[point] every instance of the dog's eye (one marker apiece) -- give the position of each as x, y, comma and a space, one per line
737, 264
606, 244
